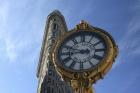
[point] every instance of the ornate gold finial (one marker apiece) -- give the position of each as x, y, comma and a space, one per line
83, 25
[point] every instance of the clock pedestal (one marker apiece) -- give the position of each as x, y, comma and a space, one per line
84, 90
81, 87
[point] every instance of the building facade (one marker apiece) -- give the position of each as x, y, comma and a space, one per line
49, 81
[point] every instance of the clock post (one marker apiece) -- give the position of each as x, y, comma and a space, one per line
84, 55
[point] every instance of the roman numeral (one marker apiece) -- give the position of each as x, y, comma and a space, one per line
72, 64
82, 38
98, 50
75, 41
68, 47
97, 43
81, 65
90, 39
66, 60
65, 53
91, 63
97, 57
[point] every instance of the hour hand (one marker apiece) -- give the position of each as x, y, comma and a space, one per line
75, 52
74, 49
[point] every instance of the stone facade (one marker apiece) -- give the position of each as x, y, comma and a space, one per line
49, 80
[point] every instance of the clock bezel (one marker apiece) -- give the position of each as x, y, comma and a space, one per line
102, 66
68, 37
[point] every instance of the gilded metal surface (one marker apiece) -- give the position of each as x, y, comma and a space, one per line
88, 77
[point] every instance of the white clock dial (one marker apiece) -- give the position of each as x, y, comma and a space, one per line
81, 51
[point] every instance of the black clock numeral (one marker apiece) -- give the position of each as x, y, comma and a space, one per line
66, 60
72, 64
91, 63
97, 43
90, 39
98, 50
81, 65
82, 38
97, 57
68, 47
65, 53
74, 41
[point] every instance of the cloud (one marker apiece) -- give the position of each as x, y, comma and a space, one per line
129, 46
10, 44
10, 50
21, 29
4, 8
132, 39
4, 35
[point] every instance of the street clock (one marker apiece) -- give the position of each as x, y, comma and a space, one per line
84, 55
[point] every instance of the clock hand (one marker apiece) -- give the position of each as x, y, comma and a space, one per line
82, 51
75, 49
75, 52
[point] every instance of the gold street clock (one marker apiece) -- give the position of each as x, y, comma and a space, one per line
84, 55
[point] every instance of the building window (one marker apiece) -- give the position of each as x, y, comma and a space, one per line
48, 90
54, 34
52, 90
59, 91
50, 72
55, 26
49, 80
54, 19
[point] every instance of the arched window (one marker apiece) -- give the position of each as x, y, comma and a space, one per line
55, 26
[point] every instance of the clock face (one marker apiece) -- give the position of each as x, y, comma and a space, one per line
81, 51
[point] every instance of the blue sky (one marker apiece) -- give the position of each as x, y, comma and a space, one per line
22, 24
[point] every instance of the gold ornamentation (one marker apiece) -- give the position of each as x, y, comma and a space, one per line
88, 77
83, 25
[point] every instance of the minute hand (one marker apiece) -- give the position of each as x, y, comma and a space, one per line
82, 51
